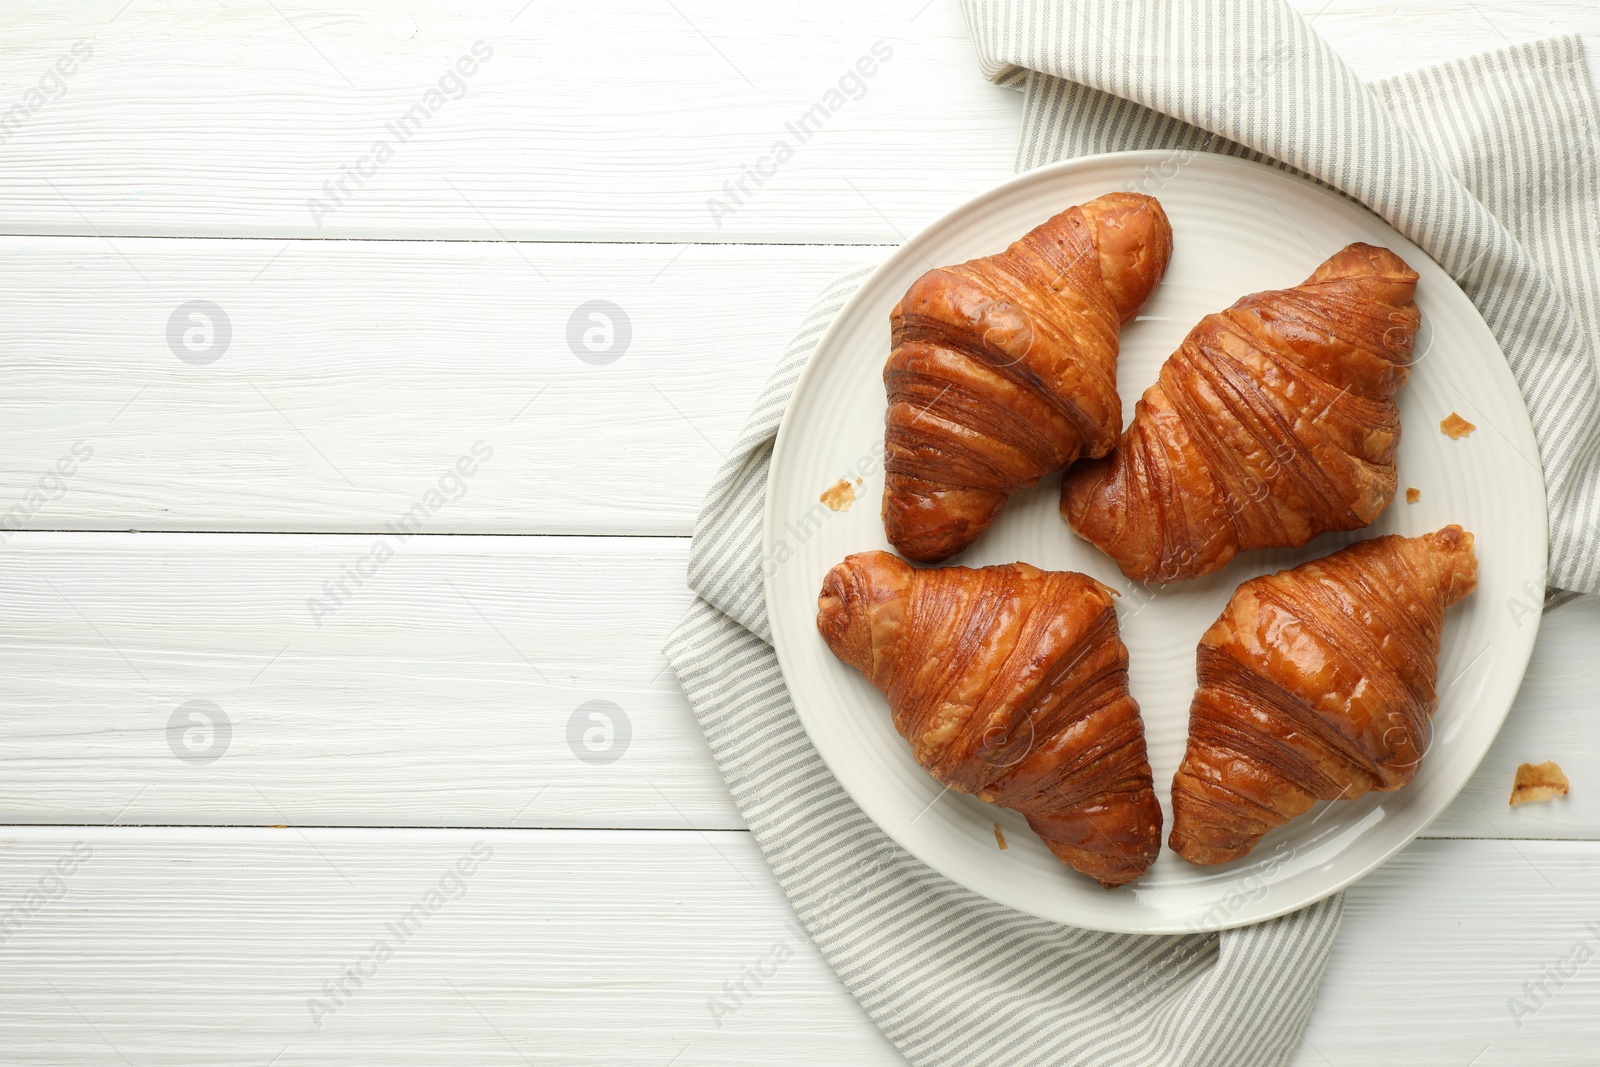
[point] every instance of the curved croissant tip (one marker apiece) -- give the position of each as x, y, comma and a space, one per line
831, 602
843, 616
930, 525
837, 609
1134, 239
1459, 546
1456, 541
844, 586
1361, 258
1201, 854
1129, 198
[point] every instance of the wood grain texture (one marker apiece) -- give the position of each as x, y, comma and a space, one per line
1435, 949
439, 691
608, 948
213, 947
611, 122
617, 122
1553, 719
358, 372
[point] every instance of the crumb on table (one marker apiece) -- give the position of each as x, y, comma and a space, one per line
999, 837
1538, 782
1455, 427
839, 496
1413, 495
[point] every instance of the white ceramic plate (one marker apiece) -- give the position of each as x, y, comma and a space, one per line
1239, 227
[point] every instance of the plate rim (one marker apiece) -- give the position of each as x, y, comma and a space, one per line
785, 437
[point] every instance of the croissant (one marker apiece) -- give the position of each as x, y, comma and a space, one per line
1011, 684
1004, 368
1316, 683
1273, 422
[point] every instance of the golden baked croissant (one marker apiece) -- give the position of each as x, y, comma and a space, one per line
1316, 683
1011, 684
1273, 422
1004, 368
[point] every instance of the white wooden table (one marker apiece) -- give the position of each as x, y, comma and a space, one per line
287, 783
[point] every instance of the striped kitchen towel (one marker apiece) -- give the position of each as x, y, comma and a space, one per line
1488, 164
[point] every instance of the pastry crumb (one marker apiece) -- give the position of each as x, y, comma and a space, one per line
858, 481
839, 496
1538, 782
1413, 495
999, 837
1455, 427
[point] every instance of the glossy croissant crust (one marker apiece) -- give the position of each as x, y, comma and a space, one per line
1011, 684
1004, 369
1273, 422
1316, 683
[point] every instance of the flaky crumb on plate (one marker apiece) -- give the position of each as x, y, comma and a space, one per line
1455, 427
839, 496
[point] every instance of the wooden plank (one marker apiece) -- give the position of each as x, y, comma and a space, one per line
227, 946
604, 948
1552, 719
617, 123
625, 122
456, 684
441, 689
1447, 953
356, 374
412, 704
